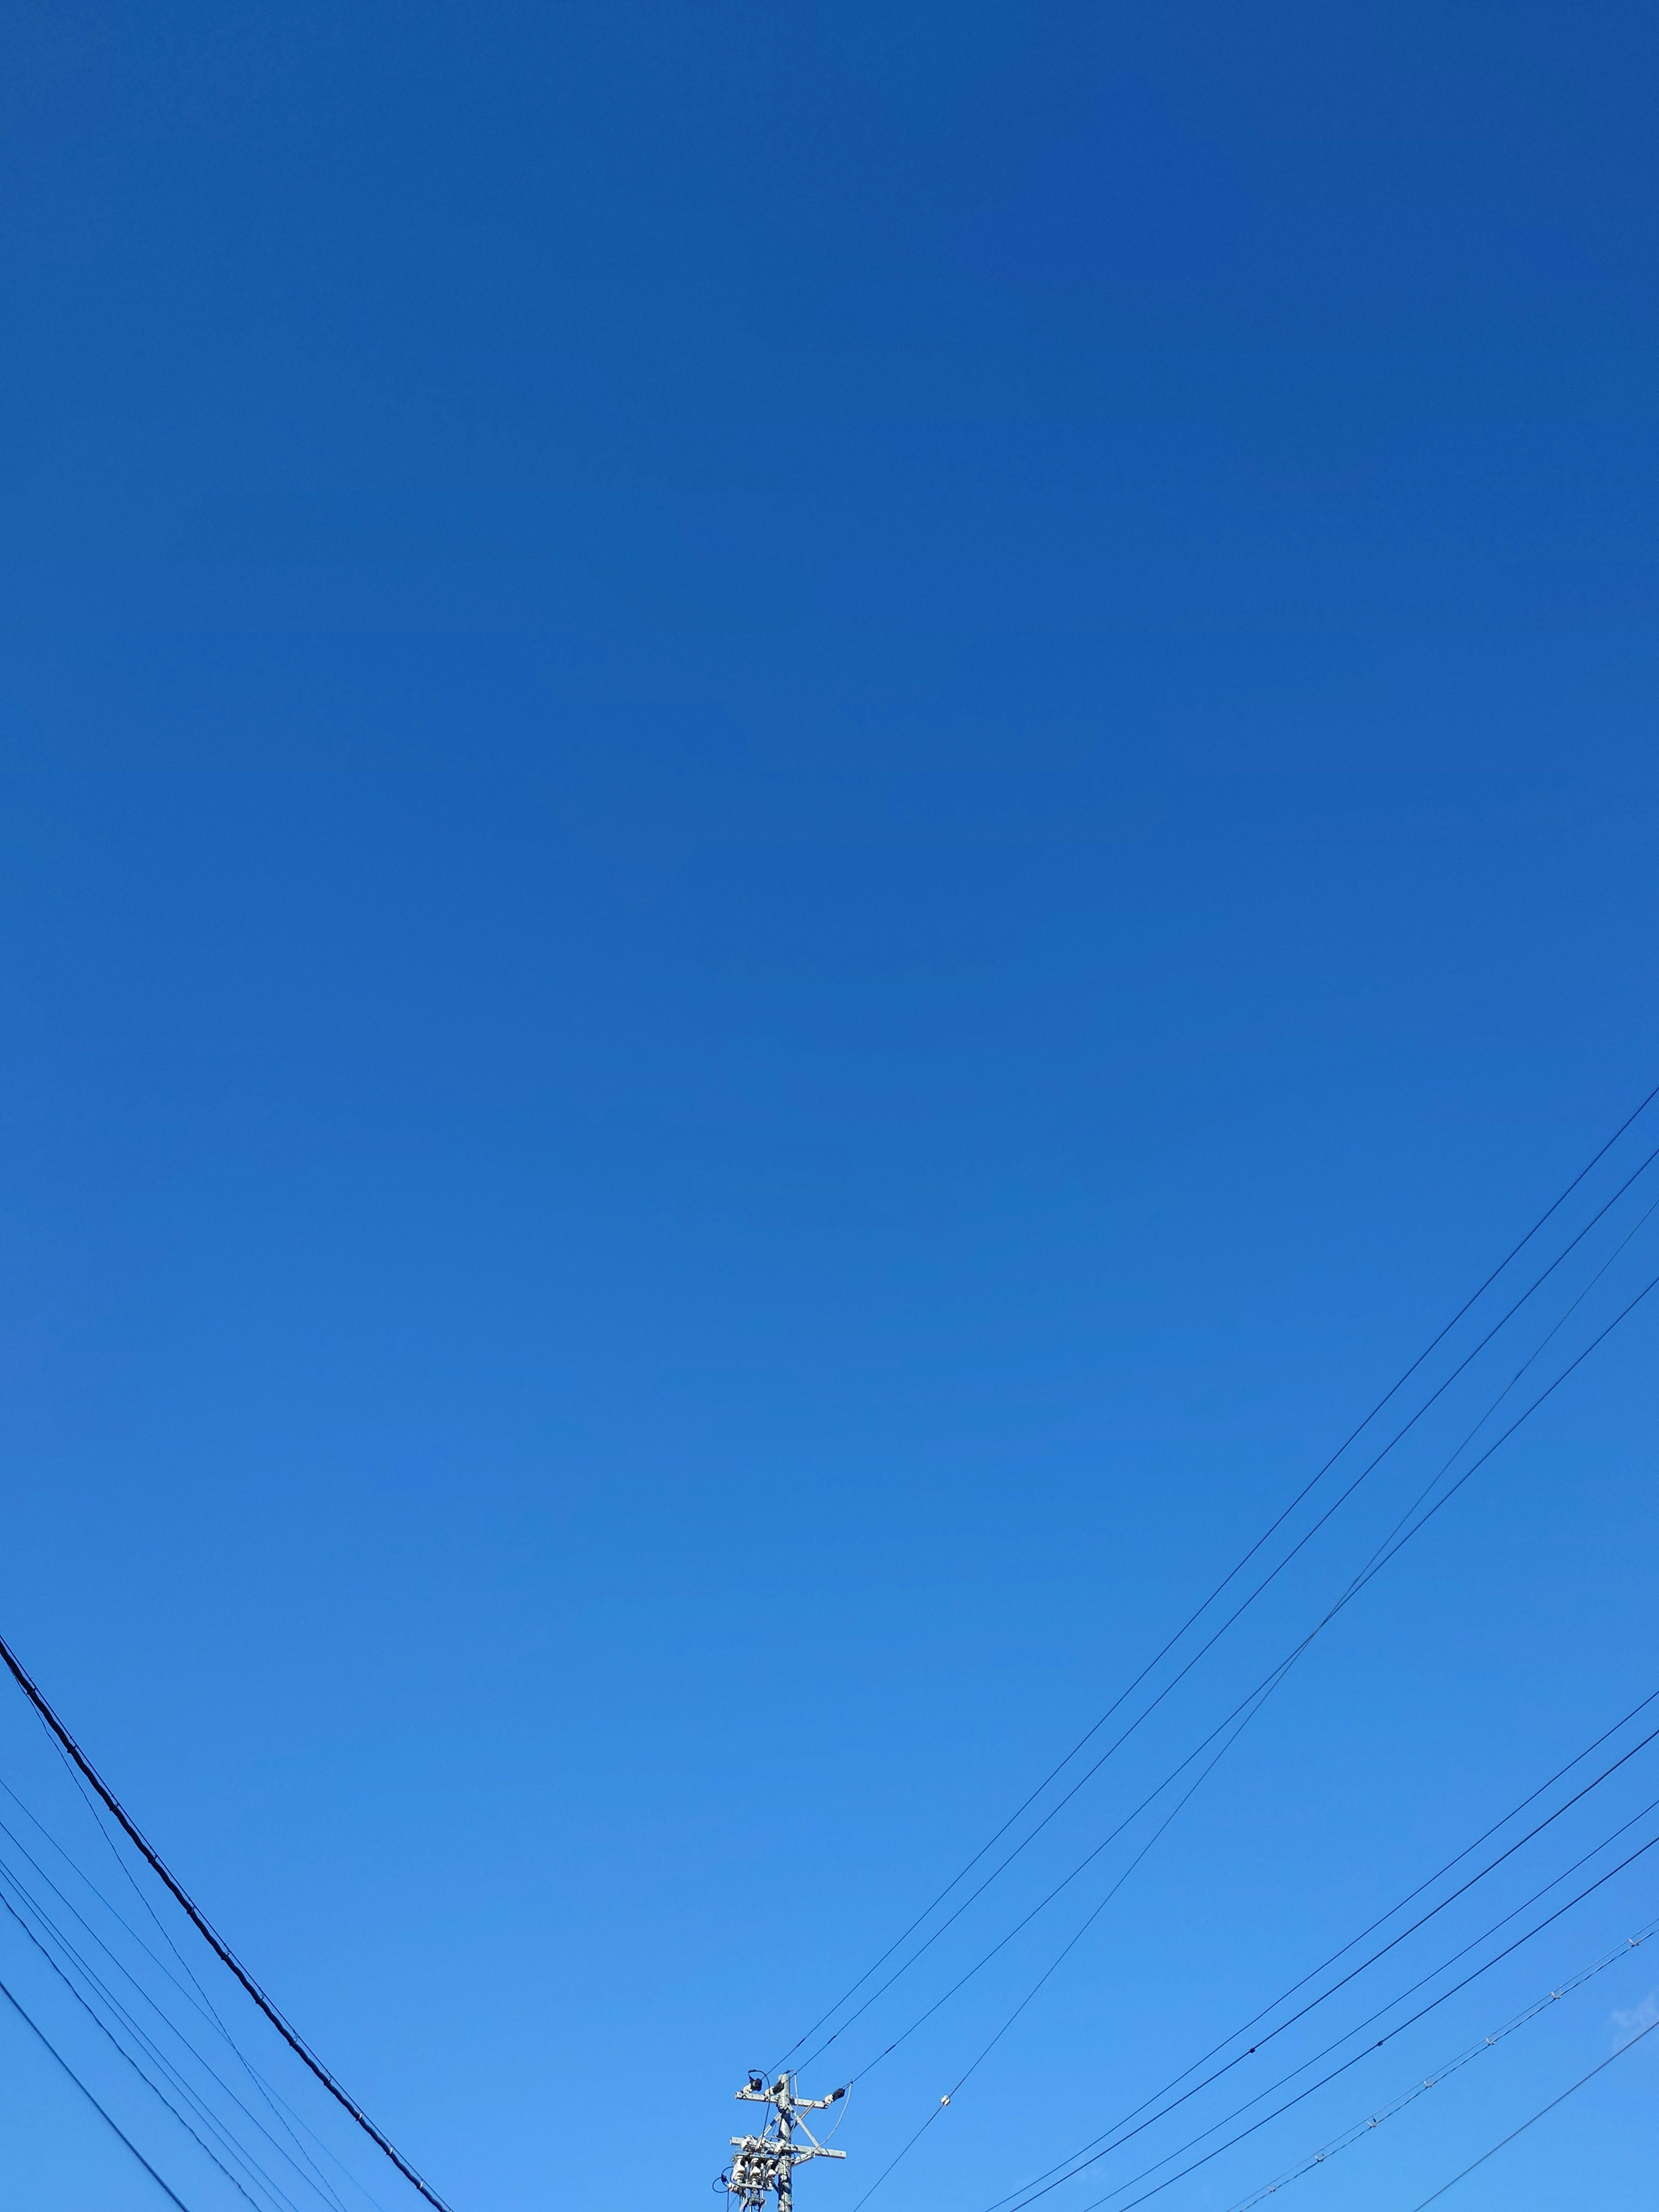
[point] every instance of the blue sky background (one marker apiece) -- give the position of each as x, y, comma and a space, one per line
811, 815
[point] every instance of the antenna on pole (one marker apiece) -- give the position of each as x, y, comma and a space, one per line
764, 2164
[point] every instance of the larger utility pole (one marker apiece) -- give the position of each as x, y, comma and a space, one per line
765, 2164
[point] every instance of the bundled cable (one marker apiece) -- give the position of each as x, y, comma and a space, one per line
205, 1928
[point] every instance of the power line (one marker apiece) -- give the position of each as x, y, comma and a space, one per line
313, 2179
1301, 2094
1242, 1713
1081, 2164
170, 2195
1314, 1973
159, 2093
281, 2111
205, 1929
10, 1878
1443, 2072
1234, 1571
1078, 2162
199, 2002
1543, 2110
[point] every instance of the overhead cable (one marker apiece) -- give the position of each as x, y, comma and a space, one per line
313, 2179
1241, 1714
154, 2088
1237, 1568
1539, 2114
1301, 2094
1336, 1956
1091, 2152
1443, 2072
1080, 2164
147, 2043
170, 2195
198, 2003
205, 1928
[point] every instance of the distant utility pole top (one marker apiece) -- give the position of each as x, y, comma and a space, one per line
763, 2166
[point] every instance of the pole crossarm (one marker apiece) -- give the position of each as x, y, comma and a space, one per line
763, 2166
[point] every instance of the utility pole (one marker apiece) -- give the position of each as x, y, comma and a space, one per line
764, 2164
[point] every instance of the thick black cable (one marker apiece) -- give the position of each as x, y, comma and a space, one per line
1539, 2114
202, 2003
1238, 1568
1243, 1607
205, 1929
187, 2089
170, 2195
155, 2090
1248, 1706
1324, 1965
282, 2112
199, 2003
313, 2181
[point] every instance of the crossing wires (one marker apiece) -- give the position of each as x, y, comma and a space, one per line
205, 1928
1417, 1517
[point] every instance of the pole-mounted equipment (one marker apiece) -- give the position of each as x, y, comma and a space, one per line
763, 2166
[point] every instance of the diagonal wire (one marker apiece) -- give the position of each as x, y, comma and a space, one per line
1234, 1571
1081, 2165
9, 1876
1243, 1607
1443, 2072
1335, 1958
1250, 1704
1348, 2063
1078, 2162
170, 2195
1541, 2113
205, 1929
282, 2112
154, 2088
200, 2002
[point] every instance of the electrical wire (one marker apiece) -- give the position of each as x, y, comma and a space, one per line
313, 2179
1246, 1602
158, 2057
1537, 1351
205, 1928
287, 2118
1082, 2165
154, 2088
170, 2195
284, 2114
1335, 1957
1399, 2029
1238, 1567
1092, 2152
1020, 1925
1443, 2072
1242, 1713
1541, 2113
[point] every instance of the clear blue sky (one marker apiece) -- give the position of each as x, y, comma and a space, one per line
812, 813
